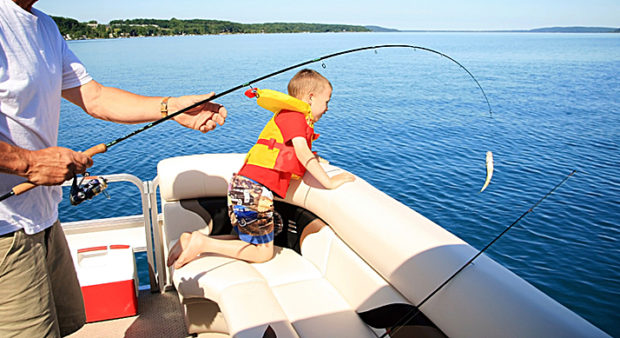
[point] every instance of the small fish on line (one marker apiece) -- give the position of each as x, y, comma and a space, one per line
489, 170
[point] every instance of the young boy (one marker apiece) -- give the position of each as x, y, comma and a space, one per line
250, 194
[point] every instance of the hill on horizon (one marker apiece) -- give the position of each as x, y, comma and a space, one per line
576, 29
569, 29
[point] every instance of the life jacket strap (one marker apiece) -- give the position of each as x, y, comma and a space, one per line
271, 143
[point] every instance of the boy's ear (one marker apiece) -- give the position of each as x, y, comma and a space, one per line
308, 98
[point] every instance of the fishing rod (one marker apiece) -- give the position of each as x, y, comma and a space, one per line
414, 312
103, 147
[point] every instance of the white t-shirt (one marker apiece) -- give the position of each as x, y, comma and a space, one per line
35, 65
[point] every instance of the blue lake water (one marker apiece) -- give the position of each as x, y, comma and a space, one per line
416, 126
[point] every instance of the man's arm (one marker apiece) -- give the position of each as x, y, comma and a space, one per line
49, 166
117, 105
54, 165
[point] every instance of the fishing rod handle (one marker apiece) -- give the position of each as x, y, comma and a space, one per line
23, 187
98, 149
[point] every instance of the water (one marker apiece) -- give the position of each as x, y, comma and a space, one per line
416, 126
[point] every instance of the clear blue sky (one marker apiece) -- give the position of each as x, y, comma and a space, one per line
399, 14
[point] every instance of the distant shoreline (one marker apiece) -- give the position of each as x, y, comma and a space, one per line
71, 29
572, 29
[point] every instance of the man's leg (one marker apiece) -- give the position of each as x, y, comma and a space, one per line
26, 301
65, 285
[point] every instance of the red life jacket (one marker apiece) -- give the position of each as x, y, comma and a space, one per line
270, 151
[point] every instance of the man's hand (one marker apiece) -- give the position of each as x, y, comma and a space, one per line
53, 166
204, 117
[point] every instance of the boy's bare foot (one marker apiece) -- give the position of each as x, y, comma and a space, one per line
189, 246
177, 248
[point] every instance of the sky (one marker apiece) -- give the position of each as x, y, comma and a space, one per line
397, 14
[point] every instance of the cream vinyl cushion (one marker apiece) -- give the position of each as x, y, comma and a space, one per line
372, 251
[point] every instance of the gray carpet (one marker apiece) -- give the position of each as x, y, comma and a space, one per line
159, 315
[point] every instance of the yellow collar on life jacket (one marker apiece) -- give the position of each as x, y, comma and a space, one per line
275, 102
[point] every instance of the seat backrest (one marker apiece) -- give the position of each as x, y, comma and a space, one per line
415, 256
182, 181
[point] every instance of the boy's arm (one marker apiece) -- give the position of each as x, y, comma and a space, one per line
310, 161
321, 160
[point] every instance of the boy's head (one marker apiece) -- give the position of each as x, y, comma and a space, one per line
312, 88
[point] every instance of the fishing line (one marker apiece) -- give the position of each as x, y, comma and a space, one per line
103, 147
414, 312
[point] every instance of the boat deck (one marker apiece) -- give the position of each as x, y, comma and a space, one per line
159, 315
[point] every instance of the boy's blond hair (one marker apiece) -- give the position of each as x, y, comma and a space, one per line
307, 81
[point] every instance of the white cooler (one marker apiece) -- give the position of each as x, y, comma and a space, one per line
109, 281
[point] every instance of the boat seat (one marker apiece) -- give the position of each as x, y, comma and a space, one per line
350, 263
288, 290
303, 293
244, 298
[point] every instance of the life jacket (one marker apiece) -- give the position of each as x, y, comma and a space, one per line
270, 151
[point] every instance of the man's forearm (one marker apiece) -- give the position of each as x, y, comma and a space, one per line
13, 160
113, 104
48, 166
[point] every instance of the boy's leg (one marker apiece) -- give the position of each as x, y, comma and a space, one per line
250, 207
191, 245
187, 248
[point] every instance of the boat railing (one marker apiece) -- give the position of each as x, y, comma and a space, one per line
148, 221
158, 252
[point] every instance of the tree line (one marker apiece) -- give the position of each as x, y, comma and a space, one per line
71, 29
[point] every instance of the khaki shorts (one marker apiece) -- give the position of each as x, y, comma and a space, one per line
40, 295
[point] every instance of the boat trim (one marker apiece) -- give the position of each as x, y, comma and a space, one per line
149, 199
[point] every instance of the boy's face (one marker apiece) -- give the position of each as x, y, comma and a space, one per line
318, 102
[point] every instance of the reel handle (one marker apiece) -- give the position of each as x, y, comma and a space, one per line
23, 187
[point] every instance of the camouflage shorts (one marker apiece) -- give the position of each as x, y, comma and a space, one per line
250, 207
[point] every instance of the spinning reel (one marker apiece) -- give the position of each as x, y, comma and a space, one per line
85, 191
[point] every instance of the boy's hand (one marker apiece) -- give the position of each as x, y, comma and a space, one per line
341, 179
